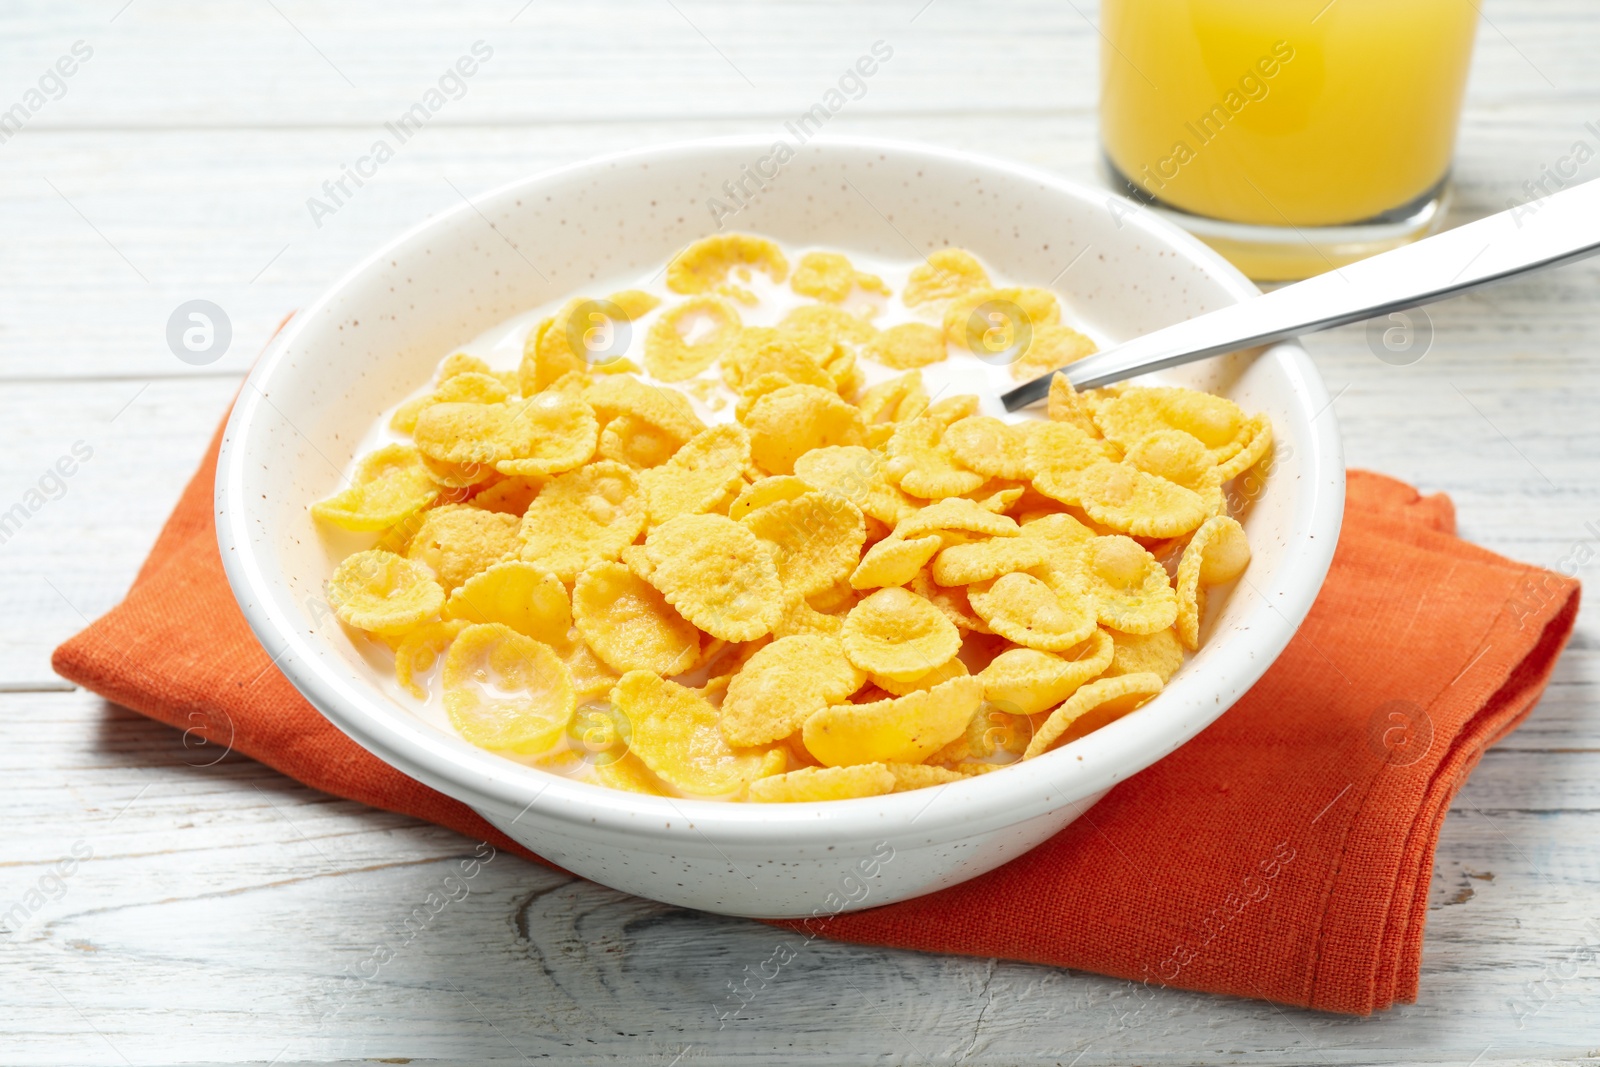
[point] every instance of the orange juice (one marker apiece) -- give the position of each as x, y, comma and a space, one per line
1284, 113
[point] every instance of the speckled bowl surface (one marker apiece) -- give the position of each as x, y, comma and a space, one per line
378, 332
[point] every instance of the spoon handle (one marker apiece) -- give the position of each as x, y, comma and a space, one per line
1558, 229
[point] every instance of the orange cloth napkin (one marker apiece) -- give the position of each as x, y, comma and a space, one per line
1285, 853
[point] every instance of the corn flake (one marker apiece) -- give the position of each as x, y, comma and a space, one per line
419, 650
1127, 585
1091, 707
993, 448
639, 444
623, 394
898, 634
390, 484
1217, 553
717, 574
764, 491
515, 594
706, 264
907, 346
948, 273
791, 421
581, 518
1027, 681
1051, 347
855, 473
815, 540
628, 624
675, 735
702, 476
828, 325
506, 691
1160, 653
547, 434
824, 783
952, 668
980, 561
1027, 611
383, 593
829, 276
894, 561
922, 465
905, 729
782, 684
686, 339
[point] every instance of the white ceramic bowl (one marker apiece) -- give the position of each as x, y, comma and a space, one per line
381, 330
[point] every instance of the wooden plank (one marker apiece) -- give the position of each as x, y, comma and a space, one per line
228, 898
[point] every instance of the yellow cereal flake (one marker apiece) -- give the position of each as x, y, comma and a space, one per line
1017, 312
675, 735
789, 422
1171, 454
953, 668
701, 476
547, 434
992, 448
509, 496
1126, 499
948, 273
717, 574
1027, 681
1256, 438
1050, 348
952, 603
830, 277
383, 593
759, 351
641, 445
1139, 411
1055, 449
898, 634
506, 691
905, 729
623, 394
1091, 707
908, 776
956, 514
1066, 406
462, 433
629, 625
708, 262
799, 617
686, 339
979, 561
1217, 553
1160, 653
922, 465
907, 346
548, 355
1025, 610
824, 783
635, 303
764, 491
630, 775
590, 676
895, 400
419, 650
515, 594
459, 363
829, 324
782, 684
1127, 585
1062, 535
894, 561
581, 518
856, 474
815, 540
390, 484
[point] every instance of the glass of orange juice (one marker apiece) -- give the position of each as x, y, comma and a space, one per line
1293, 136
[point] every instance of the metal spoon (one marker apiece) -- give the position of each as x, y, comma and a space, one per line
1558, 229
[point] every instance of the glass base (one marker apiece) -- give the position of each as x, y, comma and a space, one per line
1289, 253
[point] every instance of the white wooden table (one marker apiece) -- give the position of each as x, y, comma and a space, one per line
220, 906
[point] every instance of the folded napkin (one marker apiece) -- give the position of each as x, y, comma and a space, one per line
1284, 853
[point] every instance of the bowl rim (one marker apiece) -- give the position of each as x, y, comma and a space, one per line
485, 780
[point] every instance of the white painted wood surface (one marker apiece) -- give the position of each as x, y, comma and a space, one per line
220, 905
